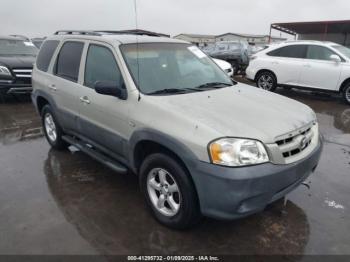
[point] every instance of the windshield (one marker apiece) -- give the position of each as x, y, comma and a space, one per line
171, 66
17, 47
342, 49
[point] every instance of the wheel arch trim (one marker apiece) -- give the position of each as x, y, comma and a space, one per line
344, 84
40, 93
170, 143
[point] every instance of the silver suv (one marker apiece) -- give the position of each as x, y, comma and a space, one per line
163, 110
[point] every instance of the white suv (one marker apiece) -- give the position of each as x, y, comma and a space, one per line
313, 65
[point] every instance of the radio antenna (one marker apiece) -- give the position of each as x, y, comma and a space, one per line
137, 49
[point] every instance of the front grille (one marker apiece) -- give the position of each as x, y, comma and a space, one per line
22, 73
297, 143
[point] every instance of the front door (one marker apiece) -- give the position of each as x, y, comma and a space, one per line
103, 118
319, 71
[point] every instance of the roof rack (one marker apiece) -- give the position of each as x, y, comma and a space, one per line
129, 32
111, 32
77, 32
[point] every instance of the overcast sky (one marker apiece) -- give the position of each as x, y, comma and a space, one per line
43, 17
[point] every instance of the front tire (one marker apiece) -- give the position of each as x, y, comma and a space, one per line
169, 191
346, 94
52, 130
267, 81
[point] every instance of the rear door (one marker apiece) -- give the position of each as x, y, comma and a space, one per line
319, 71
286, 63
64, 85
103, 119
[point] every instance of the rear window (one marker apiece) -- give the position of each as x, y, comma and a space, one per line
68, 61
45, 54
292, 51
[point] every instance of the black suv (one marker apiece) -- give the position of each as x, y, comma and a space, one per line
17, 56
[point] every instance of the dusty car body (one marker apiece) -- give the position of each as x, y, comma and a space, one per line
200, 143
234, 52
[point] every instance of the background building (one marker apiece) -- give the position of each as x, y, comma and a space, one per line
334, 31
206, 40
250, 38
200, 40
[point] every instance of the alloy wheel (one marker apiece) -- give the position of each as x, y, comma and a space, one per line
347, 94
163, 192
50, 127
265, 82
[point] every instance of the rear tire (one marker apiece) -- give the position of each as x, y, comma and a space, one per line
267, 81
52, 130
346, 94
169, 191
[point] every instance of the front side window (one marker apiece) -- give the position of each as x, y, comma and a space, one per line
292, 51
101, 66
45, 54
159, 66
315, 52
10, 47
68, 61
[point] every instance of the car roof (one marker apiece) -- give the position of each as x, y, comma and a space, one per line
121, 38
306, 42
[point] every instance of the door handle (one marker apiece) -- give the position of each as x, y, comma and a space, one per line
85, 99
307, 65
53, 87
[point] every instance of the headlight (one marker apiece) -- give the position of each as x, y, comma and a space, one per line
237, 152
4, 71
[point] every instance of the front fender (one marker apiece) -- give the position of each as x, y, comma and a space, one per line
177, 147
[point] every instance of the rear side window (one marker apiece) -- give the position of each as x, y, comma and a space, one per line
292, 51
68, 61
101, 66
45, 54
319, 53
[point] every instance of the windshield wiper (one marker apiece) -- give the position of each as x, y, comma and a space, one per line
168, 91
188, 90
213, 85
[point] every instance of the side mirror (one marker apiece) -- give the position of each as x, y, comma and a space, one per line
110, 88
335, 58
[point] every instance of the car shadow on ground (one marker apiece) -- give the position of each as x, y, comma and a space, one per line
108, 211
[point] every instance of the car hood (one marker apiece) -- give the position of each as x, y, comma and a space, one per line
240, 111
17, 61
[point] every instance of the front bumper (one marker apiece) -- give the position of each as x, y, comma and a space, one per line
230, 193
15, 88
